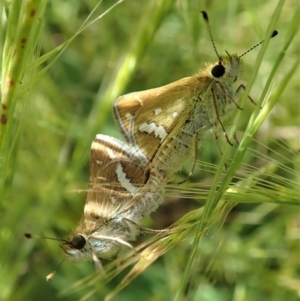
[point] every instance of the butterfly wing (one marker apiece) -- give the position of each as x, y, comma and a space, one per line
115, 176
147, 118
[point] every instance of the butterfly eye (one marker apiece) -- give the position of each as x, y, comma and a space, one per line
78, 242
218, 70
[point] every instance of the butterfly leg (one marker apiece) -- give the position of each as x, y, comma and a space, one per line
98, 265
235, 139
219, 147
228, 96
195, 160
217, 142
243, 87
143, 229
218, 117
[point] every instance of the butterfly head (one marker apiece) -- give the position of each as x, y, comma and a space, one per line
100, 239
81, 247
227, 69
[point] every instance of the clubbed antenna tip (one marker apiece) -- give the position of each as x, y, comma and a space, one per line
51, 275
274, 34
205, 16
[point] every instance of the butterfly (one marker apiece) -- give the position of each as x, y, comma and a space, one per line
121, 193
164, 124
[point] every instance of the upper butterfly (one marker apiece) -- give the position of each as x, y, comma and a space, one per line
162, 124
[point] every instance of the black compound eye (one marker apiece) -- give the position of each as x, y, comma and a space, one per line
78, 242
218, 70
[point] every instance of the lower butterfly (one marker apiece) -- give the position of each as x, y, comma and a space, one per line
121, 193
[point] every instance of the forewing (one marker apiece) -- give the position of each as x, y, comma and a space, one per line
147, 118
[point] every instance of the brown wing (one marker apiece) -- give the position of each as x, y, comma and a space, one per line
147, 118
115, 175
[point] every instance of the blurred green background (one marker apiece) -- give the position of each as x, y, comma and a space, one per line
251, 252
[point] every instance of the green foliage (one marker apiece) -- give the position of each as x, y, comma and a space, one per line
236, 231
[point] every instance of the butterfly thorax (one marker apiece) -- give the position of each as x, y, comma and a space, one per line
217, 99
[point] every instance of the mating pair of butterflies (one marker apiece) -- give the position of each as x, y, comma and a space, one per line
161, 127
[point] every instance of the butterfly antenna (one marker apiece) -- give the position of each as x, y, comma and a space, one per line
274, 34
51, 275
205, 18
28, 235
